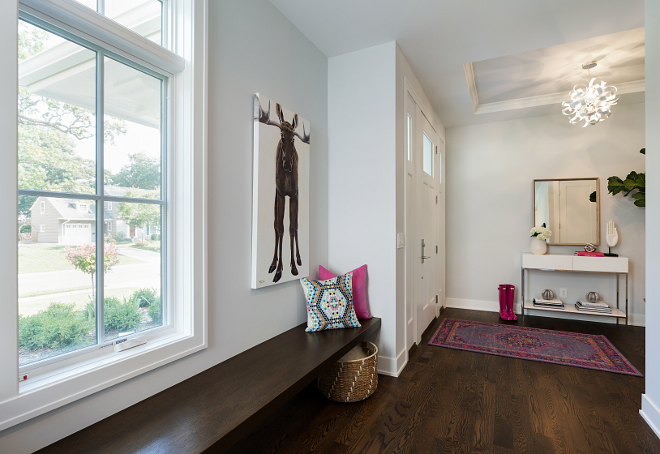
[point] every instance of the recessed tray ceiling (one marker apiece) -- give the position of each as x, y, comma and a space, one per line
545, 76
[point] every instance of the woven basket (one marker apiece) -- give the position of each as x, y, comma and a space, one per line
352, 381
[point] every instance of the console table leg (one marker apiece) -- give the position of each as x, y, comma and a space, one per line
617, 295
626, 299
522, 293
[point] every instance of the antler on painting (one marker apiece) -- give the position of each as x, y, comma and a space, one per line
286, 184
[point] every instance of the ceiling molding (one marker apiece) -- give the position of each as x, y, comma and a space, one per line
623, 88
472, 86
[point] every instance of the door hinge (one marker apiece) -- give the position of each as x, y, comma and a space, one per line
436, 299
436, 199
436, 149
436, 248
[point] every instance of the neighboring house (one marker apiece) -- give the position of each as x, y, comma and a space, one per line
68, 221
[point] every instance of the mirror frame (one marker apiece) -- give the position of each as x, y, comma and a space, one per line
597, 243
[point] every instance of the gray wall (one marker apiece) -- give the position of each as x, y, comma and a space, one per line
252, 48
490, 168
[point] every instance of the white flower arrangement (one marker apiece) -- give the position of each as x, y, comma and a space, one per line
540, 233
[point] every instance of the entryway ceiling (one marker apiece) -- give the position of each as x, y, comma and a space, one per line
516, 49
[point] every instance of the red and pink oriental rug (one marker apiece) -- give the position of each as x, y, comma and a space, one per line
558, 347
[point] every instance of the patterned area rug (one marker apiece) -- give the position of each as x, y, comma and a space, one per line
558, 347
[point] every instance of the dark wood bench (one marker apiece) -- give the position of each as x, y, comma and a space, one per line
211, 411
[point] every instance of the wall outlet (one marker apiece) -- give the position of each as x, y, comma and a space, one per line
563, 293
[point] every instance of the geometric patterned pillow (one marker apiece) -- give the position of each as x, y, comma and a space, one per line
330, 303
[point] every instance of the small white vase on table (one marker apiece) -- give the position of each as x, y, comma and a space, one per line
539, 235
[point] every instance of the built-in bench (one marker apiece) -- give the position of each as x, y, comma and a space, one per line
214, 409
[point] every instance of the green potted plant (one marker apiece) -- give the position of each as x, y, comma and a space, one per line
634, 183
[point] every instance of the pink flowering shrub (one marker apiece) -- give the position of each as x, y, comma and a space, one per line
83, 258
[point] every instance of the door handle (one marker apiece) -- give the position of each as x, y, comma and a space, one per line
424, 257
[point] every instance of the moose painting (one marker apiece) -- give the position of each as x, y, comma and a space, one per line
280, 194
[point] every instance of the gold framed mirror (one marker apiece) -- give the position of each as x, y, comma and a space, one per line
570, 208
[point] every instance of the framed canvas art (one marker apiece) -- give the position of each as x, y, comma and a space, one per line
280, 197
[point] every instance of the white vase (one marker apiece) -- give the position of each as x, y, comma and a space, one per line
538, 247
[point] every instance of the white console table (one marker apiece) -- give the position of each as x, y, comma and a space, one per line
573, 263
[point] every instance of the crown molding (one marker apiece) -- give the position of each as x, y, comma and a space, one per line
634, 86
472, 86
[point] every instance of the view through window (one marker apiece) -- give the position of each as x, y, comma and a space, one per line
89, 190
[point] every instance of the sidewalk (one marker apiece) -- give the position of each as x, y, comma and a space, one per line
142, 275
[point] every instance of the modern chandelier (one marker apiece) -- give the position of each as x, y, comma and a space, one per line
590, 104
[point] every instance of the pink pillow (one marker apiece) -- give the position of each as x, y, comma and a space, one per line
359, 289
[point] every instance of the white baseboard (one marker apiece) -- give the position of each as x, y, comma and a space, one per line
494, 306
475, 305
392, 366
651, 414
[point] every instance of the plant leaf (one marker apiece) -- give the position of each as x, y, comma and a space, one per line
614, 185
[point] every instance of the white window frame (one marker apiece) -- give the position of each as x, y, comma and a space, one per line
42, 228
42, 207
60, 383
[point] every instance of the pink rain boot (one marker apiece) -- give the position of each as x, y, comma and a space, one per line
504, 315
510, 291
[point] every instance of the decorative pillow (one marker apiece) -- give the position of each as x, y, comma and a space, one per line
330, 303
359, 289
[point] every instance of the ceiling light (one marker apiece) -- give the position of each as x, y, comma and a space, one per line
591, 104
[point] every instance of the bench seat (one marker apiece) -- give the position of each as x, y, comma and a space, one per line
216, 408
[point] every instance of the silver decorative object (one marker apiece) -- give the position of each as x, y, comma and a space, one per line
548, 294
593, 297
589, 247
590, 104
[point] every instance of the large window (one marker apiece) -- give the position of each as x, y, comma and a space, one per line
105, 175
78, 163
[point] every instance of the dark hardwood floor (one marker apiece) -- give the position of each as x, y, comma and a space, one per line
449, 401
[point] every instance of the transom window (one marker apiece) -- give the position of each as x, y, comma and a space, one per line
90, 135
144, 17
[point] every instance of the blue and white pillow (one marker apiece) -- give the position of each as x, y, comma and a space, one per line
330, 303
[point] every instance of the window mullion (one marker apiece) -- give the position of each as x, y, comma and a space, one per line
100, 204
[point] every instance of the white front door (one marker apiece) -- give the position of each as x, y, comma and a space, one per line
425, 201
426, 297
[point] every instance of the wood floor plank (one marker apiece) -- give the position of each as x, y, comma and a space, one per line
453, 401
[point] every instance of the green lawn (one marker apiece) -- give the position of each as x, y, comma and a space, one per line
36, 257
154, 246
80, 299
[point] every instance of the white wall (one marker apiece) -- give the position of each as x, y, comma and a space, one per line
366, 181
490, 168
651, 399
252, 48
362, 180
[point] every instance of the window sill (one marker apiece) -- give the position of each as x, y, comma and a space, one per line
49, 375
49, 390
